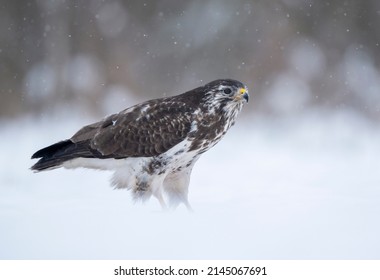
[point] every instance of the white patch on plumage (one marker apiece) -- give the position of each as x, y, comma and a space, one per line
232, 109
143, 111
102, 164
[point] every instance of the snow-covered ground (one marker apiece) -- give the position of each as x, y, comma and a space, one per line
307, 188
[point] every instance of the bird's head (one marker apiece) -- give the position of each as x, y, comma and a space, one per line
227, 95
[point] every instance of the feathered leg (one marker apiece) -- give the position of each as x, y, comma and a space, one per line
176, 186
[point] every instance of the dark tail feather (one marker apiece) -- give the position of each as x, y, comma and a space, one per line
53, 156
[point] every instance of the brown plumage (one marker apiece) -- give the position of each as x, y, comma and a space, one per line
165, 136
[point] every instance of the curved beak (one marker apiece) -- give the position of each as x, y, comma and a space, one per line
243, 93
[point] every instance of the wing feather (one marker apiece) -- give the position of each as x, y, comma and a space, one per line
145, 130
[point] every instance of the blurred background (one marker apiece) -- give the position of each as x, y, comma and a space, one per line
303, 181
293, 55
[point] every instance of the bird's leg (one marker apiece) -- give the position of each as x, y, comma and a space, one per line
161, 200
176, 186
188, 206
156, 189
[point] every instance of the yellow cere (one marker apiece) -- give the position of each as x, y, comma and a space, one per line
242, 90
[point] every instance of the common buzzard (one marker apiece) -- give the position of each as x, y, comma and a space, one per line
153, 146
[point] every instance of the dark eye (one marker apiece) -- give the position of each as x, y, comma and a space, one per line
227, 91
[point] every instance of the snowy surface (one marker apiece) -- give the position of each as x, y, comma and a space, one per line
307, 188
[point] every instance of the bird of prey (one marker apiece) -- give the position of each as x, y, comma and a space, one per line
153, 146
